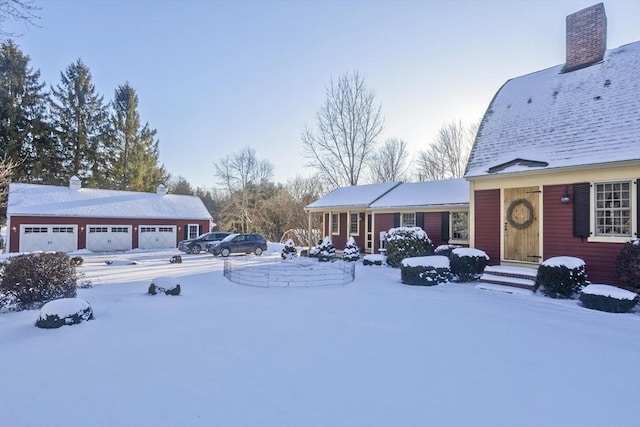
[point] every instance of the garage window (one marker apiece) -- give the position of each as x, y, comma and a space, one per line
119, 229
148, 229
35, 230
63, 229
165, 229
98, 229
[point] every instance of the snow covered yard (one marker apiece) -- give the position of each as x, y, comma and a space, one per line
371, 353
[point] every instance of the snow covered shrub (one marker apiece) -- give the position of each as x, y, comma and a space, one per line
608, 298
77, 261
34, 279
289, 250
373, 259
351, 251
628, 265
326, 250
467, 264
314, 252
65, 311
561, 277
406, 242
445, 250
425, 271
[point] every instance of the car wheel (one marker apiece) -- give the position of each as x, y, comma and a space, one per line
225, 252
195, 249
258, 251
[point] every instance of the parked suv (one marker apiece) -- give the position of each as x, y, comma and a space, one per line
194, 246
239, 243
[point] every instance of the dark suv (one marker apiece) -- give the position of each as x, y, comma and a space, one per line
194, 246
241, 243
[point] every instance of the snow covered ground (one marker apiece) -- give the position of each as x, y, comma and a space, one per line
370, 353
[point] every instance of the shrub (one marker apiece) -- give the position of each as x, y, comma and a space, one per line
351, 251
608, 298
445, 250
373, 259
65, 311
425, 271
314, 252
289, 250
327, 252
34, 279
467, 264
77, 261
561, 277
406, 242
628, 265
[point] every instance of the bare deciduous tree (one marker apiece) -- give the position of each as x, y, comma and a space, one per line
390, 162
447, 156
17, 10
348, 125
241, 173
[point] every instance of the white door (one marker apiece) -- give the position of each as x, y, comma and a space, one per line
108, 238
55, 238
157, 236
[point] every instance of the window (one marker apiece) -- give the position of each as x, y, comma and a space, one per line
408, 219
147, 229
460, 225
62, 229
119, 229
613, 209
28, 230
354, 226
193, 231
335, 224
98, 229
165, 229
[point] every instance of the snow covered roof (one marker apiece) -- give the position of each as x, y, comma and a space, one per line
357, 195
549, 119
429, 193
50, 200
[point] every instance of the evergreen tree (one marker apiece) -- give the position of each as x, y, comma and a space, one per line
351, 251
25, 135
80, 118
136, 165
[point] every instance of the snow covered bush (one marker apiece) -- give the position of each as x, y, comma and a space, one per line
326, 250
628, 265
65, 311
467, 264
373, 259
77, 261
314, 251
608, 298
426, 270
561, 277
406, 242
289, 250
445, 250
351, 251
31, 280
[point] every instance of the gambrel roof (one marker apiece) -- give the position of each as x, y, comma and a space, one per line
51, 200
548, 119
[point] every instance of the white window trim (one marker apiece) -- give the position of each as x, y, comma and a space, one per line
402, 214
189, 227
337, 232
357, 232
633, 191
451, 238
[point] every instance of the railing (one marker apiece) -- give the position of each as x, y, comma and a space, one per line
299, 272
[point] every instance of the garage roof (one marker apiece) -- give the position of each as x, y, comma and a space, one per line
50, 200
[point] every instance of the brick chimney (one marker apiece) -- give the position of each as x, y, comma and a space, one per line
586, 37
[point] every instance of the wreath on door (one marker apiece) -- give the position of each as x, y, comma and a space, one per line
520, 225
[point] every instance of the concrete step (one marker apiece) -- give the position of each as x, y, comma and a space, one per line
516, 282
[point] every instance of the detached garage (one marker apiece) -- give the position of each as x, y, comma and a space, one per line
65, 219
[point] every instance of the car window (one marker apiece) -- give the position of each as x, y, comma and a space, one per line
230, 238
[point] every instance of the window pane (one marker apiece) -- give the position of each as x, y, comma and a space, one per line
613, 209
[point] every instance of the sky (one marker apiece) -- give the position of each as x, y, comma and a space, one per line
214, 77
373, 352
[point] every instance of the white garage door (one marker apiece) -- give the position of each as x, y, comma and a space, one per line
156, 236
58, 238
108, 238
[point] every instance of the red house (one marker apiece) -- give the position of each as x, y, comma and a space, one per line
555, 164
55, 218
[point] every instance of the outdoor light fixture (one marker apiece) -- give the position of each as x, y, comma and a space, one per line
13, 228
565, 196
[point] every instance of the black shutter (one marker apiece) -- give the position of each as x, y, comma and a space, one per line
396, 220
638, 207
581, 207
199, 230
186, 232
444, 227
420, 219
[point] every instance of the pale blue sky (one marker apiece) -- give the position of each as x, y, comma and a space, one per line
216, 76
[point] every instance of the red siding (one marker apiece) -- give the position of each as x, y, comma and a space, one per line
487, 223
600, 258
384, 222
433, 226
81, 222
